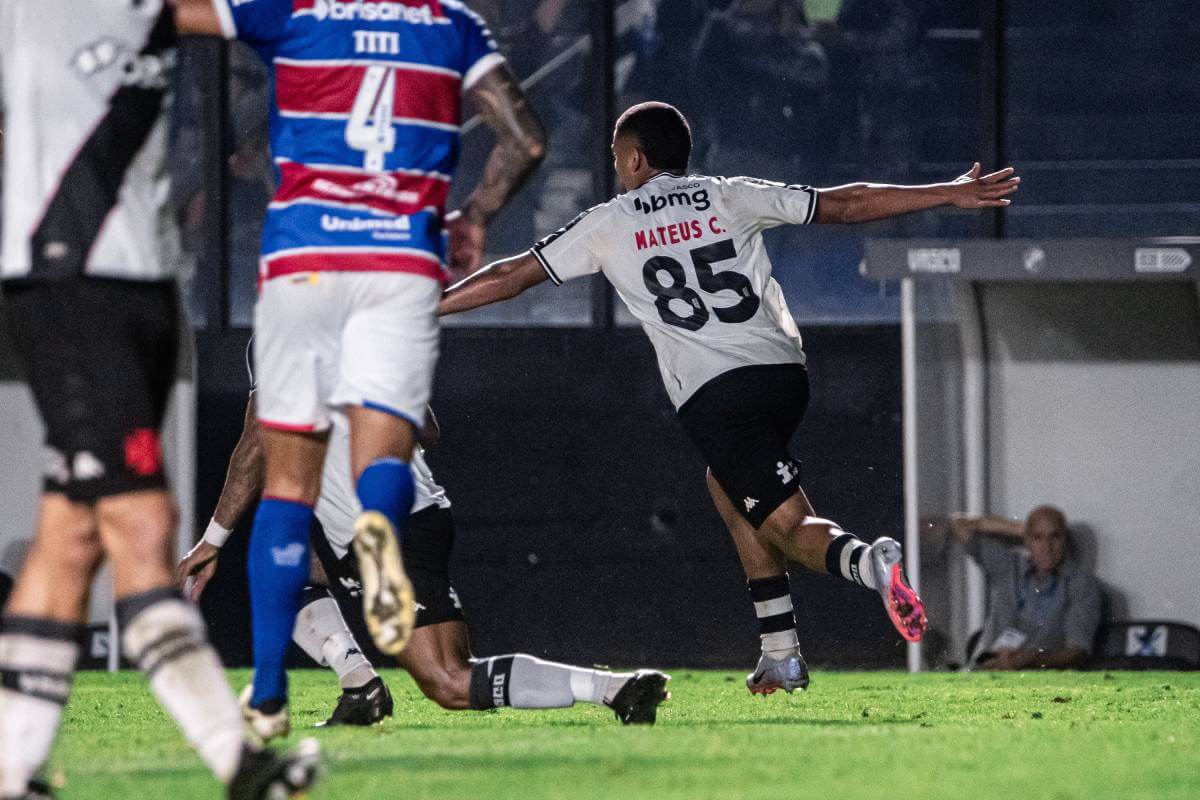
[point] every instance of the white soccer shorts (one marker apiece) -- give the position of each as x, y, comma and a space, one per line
325, 340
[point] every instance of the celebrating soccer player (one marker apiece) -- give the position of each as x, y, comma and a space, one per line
364, 133
686, 255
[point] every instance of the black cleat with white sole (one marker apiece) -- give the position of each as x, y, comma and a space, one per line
267, 775
365, 705
638, 701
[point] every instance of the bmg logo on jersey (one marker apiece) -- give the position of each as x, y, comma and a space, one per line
697, 200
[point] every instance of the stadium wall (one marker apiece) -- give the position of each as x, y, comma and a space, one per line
586, 533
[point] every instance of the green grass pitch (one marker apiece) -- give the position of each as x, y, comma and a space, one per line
852, 735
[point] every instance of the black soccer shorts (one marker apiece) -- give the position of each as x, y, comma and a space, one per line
742, 421
425, 547
99, 356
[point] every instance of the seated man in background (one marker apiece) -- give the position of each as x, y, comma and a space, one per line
1043, 605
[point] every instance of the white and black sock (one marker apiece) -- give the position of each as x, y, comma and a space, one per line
522, 681
37, 660
776, 618
166, 638
849, 557
321, 631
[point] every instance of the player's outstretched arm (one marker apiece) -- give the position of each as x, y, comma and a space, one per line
520, 147
495, 282
243, 482
866, 202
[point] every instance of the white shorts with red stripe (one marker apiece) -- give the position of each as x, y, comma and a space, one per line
325, 340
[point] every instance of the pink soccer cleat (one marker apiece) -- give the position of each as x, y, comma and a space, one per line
903, 605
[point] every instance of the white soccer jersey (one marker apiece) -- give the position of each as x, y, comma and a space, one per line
686, 256
338, 506
85, 85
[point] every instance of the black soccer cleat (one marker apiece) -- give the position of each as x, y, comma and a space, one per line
637, 702
267, 775
366, 705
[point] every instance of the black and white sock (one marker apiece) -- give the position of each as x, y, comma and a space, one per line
849, 557
166, 638
321, 631
37, 660
776, 618
522, 681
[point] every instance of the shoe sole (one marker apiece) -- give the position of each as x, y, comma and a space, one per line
911, 625
898, 594
354, 722
389, 606
250, 716
772, 688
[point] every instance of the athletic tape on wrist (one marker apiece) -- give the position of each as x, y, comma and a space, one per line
216, 534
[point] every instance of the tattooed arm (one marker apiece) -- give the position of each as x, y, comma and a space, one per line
243, 482
520, 147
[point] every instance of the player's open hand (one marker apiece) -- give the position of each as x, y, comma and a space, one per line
467, 239
200, 564
974, 190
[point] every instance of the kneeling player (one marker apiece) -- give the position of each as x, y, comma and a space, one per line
685, 253
438, 655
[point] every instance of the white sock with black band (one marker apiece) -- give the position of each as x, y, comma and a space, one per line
849, 557
522, 681
776, 618
37, 660
165, 636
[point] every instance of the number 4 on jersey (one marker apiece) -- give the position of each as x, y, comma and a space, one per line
711, 282
369, 128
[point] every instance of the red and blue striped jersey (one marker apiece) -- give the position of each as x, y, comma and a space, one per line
365, 117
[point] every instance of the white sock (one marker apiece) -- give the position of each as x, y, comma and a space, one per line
37, 659
321, 631
522, 681
165, 637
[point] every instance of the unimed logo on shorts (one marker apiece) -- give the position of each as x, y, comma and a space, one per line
936, 260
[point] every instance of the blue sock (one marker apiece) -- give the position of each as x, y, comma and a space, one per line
386, 486
278, 569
